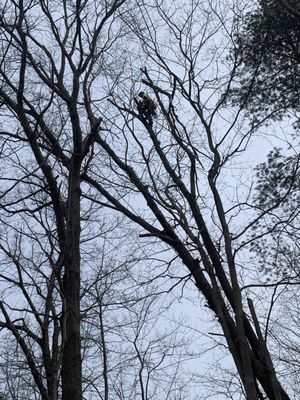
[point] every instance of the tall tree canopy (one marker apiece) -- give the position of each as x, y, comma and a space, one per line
268, 47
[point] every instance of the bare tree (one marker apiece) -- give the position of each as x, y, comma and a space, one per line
177, 167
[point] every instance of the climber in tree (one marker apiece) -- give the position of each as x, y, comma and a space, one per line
146, 107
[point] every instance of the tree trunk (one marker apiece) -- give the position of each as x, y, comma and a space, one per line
71, 358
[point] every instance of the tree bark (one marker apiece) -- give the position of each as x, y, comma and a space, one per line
71, 358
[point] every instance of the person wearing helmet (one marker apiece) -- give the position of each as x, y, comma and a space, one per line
146, 107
